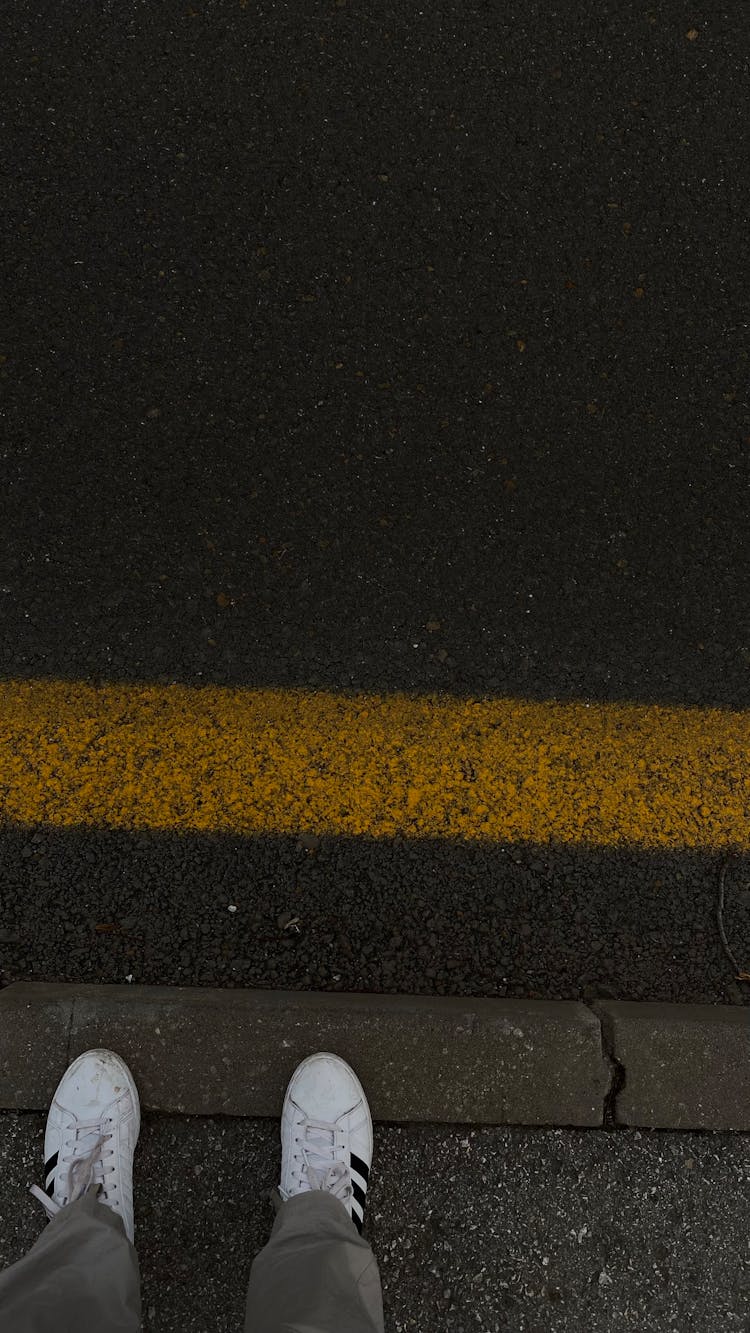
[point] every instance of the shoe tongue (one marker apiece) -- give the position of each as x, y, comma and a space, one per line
84, 1130
320, 1142
86, 1140
86, 1147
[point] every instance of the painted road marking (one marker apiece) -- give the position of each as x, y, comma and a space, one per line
290, 761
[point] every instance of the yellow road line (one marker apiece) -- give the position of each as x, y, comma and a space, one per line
289, 761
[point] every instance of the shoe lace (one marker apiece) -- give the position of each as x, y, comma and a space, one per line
83, 1152
323, 1168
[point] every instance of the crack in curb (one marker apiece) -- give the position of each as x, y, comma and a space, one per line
618, 1073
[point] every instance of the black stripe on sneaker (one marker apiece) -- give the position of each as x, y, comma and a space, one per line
49, 1174
361, 1168
357, 1217
359, 1194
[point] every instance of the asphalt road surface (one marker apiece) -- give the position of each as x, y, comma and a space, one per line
535, 1231
371, 348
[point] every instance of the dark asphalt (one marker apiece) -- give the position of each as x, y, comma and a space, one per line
534, 1231
416, 918
323, 326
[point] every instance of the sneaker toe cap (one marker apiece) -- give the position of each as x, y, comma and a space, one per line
324, 1087
95, 1081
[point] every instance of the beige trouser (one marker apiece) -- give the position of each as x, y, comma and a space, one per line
315, 1275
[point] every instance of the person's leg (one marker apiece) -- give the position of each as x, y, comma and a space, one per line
317, 1274
81, 1276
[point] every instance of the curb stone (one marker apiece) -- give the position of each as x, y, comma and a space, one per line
682, 1066
199, 1051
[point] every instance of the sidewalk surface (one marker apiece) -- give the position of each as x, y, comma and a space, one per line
535, 1231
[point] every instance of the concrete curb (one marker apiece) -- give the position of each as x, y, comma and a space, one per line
528, 1062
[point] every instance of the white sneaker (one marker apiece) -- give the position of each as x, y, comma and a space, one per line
92, 1130
326, 1134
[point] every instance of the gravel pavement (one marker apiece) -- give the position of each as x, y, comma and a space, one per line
544, 1231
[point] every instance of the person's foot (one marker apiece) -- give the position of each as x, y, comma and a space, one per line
92, 1130
326, 1134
